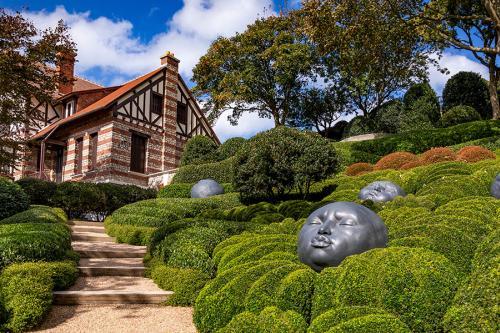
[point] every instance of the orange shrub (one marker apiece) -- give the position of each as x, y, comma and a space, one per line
413, 164
473, 154
358, 169
395, 160
439, 154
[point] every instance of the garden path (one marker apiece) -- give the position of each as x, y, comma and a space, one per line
111, 294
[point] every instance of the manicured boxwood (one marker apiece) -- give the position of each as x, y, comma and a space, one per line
26, 291
416, 284
185, 283
359, 168
37, 214
220, 171
395, 160
77, 198
420, 141
334, 317
12, 198
458, 115
230, 147
374, 323
473, 154
39, 191
199, 149
438, 154
129, 234
269, 320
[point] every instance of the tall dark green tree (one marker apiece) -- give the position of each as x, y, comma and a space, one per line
27, 58
261, 70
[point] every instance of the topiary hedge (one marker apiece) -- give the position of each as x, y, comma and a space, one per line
26, 291
473, 154
221, 171
458, 115
199, 149
182, 190
230, 148
357, 169
12, 198
39, 191
37, 214
395, 160
416, 284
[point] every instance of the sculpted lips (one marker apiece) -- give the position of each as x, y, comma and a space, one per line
321, 241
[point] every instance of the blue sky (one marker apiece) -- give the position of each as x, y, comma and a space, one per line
120, 40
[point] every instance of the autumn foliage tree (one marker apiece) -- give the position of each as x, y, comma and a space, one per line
261, 70
27, 59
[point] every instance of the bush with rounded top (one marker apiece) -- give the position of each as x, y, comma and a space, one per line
458, 115
438, 154
357, 169
467, 88
416, 284
413, 164
334, 317
12, 198
185, 283
395, 160
375, 323
269, 320
199, 149
295, 208
420, 92
277, 161
189, 256
37, 214
77, 198
453, 187
427, 174
39, 191
230, 147
222, 172
473, 154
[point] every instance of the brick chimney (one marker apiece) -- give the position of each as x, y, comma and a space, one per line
66, 70
169, 57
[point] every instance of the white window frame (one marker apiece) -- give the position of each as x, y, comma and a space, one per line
69, 109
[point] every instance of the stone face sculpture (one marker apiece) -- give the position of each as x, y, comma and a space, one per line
206, 188
337, 230
381, 191
495, 187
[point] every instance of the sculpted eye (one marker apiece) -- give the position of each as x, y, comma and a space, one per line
316, 220
348, 222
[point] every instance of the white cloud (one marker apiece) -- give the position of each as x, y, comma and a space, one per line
109, 46
248, 125
454, 63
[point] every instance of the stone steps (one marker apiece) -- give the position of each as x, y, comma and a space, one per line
110, 273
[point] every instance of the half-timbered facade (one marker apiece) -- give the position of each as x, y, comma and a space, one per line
128, 134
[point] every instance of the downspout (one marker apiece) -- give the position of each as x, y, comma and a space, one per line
41, 170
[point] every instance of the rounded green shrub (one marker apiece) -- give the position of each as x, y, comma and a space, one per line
334, 317
77, 198
375, 323
416, 284
294, 208
37, 214
269, 320
230, 147
458, 115
199, 149
12, 198
39, 191
190, 256
222, 172
423, 92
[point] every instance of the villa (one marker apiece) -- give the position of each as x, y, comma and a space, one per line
128, 134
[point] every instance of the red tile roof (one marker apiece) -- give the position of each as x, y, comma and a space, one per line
83, 84
100, 104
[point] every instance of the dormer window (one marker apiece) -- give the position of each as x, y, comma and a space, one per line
69, 109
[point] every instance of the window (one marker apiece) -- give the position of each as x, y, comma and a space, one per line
182, 113
78, 155
156, 103
138, 153
93, 151
69, 109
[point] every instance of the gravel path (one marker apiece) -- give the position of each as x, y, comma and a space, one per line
119, 319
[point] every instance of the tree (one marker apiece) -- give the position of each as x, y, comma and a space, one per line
370, 44
320, 108
467, 88
472, 25
261, 70
27, 57
423, 94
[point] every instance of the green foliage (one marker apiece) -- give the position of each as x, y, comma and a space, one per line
420, 141
387, 117
37, 214
474, 306
118, 195
270, 58
26, 291
274, 162
269, 320
467, 88
185, 283
359, 125
418, 116
458, 115
229, 148
199, 149
416, 284
39, 191
334, 317
222, 172
12, 198
129, 234
181, 190
423, 92
77, 198
36, 234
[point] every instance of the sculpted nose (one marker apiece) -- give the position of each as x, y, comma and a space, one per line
325, 229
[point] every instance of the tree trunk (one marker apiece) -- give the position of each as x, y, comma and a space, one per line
493, 88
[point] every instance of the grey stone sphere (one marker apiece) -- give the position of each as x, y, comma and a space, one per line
495, 187
206, 188
338, 230
381, 191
